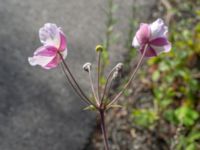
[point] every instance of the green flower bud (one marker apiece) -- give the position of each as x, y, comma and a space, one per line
99, 48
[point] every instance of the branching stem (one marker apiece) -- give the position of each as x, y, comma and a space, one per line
78, 89
106, 85
72, 85
92, 87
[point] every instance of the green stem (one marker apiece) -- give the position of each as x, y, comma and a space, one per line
98, 76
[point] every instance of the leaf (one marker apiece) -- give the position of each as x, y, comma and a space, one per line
165, 102
90, 107
186, 115
153, 60
194, 136
163, 66
115, 106
144, 117
170, 116
156, 75
191, 146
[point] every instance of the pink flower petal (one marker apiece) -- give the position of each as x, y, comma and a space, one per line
53, 40
143, 34
50, 35
63, 43
161, 49
135, 43
43, 56
46, 51
64, 53
53, 63
161, 41
40, 60
150, 52
158, 29
48, 32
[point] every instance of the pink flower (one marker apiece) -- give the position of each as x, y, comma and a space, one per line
153, 35
54, 41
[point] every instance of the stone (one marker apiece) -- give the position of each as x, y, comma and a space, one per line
38, 110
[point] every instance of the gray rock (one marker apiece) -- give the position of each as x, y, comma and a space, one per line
37, 110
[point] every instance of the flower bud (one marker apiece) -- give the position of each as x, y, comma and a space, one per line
119, 66
115, 74
99, 48
87, 66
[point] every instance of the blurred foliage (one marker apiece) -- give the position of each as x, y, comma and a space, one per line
189, 142
145, 117
175, 77
133, 25
110, 37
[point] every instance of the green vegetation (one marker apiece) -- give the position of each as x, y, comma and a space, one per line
175, 78
110, 37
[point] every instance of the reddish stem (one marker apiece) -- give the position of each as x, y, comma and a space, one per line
103, 128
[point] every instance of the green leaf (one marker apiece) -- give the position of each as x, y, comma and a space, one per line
194, 136
158, 93
170, 116
153, 60
144, 117
165, 102
163, 66
191, 146
186, 115
156, 75
90, 107
115, 106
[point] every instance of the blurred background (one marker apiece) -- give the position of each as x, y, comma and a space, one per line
39, 111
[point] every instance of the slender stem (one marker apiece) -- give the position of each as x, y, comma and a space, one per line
107, 80
92, 87
75, 89
66, 66
109, 88
103, 128
98, 75
131, 78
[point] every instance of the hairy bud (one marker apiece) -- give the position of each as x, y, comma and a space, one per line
119, 66
115, 74
87, 66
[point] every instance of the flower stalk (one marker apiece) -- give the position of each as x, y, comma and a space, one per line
103, 128
98, 75
131, 78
